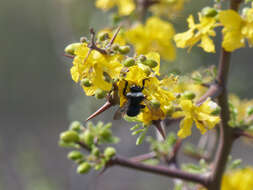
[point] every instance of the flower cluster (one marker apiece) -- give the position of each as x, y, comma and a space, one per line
236, 29
103, 69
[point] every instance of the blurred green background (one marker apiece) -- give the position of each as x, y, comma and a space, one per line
38, 99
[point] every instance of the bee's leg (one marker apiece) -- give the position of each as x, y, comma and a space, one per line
142, 106
125, 88
143, 83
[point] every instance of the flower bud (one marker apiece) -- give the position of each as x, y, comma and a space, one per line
69, 136
75, 126
249, 111
86, 82
216, 109
87, 137
102, 36
109, 152
245, 11
124, 49
129, 62
155, 103
84, 40
75, 155
188, 95
95, 151
70, 49
150, 62
106, 134
100, 94
142, 58
115, 47
209, 12
169, 110
83, 168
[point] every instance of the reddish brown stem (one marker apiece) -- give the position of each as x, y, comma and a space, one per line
160, 170
143, 157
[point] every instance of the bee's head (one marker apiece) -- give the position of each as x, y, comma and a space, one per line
135, 88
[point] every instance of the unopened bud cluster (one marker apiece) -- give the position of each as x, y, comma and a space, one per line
90, 138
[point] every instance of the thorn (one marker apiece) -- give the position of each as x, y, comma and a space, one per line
160, 128
106, 106
69, 56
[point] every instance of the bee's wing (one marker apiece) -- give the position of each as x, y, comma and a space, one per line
155, 111
120, 112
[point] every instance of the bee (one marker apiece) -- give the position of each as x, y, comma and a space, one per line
135, 101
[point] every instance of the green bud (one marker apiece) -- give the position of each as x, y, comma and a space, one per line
75, 155
102, 36
155, 103
250, 111
169, 110
124, 49
129, 62
69, 136
147, 70
83, 168
115, 47
142, 58
87, 137
100, 94
70, 49
150, 62
75, 126
86, 82
95, 151
84, 40
245, 11
189, 95
109, 152
106, 134
209, 12
216, 111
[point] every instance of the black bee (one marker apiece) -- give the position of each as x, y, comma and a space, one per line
134, 99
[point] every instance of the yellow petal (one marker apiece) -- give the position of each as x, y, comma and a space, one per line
207, 44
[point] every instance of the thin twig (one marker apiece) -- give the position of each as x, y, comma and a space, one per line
143, 157
160, 170
114, 36
92, 45
241, 133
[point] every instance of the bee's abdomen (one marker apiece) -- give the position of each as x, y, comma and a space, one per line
133, 110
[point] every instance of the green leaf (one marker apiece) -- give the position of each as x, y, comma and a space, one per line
137, 126
141, 138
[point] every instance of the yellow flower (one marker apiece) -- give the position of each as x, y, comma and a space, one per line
198, 32
94, 66
125, 7
201, 115
169, 8
155, 35
238, 180
236, 29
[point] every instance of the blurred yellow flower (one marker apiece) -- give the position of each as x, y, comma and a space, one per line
241, 107
236, 29
198, 32
201, 115
155, 35
125, 7
170, 8
241, 179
